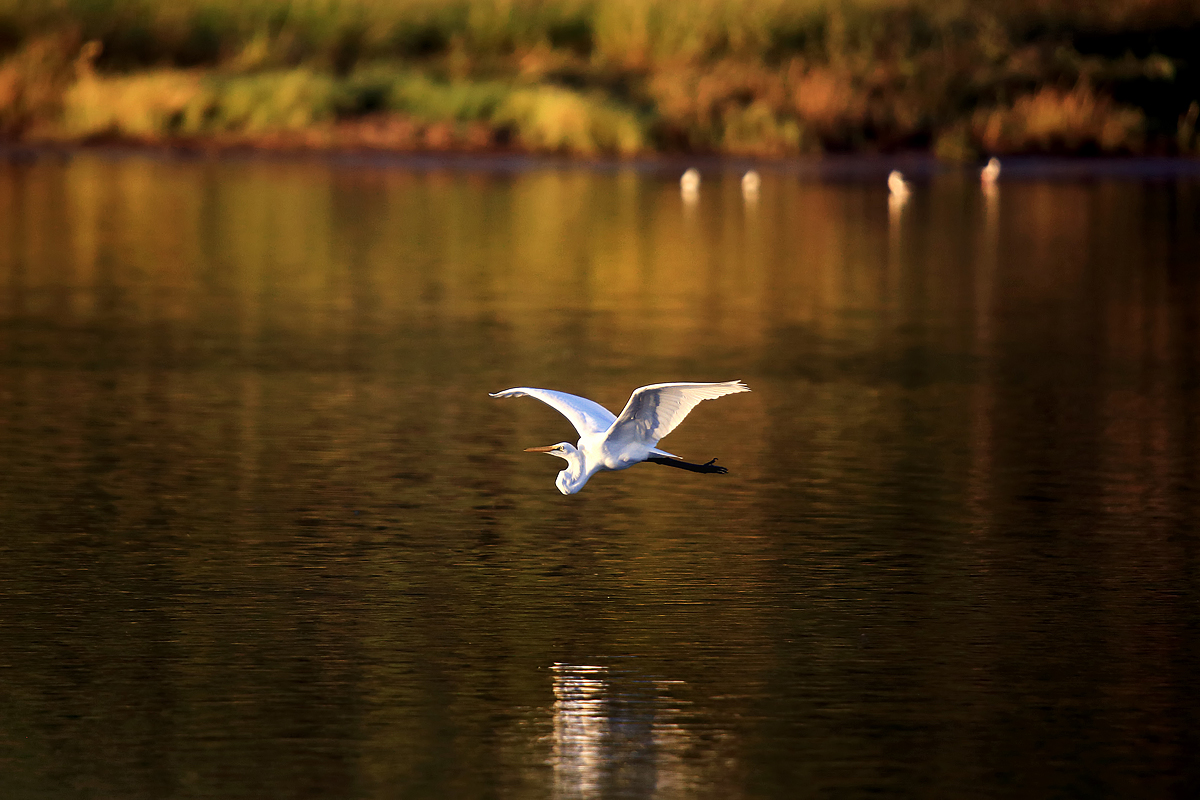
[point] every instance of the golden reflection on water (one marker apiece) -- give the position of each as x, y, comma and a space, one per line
254, 483
597, 283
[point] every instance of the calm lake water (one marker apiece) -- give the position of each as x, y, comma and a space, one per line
266, 535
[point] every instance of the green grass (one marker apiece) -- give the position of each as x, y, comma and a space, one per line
764, 77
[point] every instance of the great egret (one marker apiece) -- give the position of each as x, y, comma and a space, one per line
751, 182
689, 182
608, 442
991, 172
897, 185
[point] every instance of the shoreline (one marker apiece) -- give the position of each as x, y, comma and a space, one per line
848, 167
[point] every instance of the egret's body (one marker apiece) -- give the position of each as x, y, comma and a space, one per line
897, 185
991, 172
751, 183
689, 182
614, 442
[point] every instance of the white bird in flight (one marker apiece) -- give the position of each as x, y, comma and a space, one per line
608, 442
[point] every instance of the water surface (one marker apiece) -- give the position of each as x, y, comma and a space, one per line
265, 534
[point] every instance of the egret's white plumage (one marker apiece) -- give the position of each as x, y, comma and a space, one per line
897, 185
612, 442
689, 182
991, 172
751, 183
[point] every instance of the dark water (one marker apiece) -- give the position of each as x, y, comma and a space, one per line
265, 534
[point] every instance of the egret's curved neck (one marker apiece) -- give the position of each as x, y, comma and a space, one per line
575, 460
576, 474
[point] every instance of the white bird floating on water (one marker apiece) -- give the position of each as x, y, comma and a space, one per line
751, 183
897, 185
608, 442
991, 172
689, 182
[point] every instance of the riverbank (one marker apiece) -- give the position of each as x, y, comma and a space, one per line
762, 78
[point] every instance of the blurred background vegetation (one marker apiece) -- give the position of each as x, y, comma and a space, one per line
750, 77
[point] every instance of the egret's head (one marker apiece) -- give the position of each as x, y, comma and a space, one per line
562, 450
568, 479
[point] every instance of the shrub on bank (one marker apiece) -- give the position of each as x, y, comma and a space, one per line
1051, 120
165, 105
554, 119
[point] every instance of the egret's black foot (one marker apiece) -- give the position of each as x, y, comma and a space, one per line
710, 467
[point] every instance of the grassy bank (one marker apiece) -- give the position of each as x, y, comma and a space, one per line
760, 77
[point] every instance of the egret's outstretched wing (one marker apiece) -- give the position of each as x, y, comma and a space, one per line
654, 411
587, 416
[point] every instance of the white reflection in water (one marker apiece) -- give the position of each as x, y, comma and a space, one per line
991, 198
608, 741
580, 727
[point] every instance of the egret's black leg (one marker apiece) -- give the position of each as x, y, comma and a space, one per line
709, 467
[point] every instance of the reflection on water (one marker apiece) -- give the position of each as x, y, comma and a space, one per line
581, 731
625, 739
265, 534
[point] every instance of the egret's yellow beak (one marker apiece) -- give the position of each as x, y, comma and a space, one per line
547, 449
